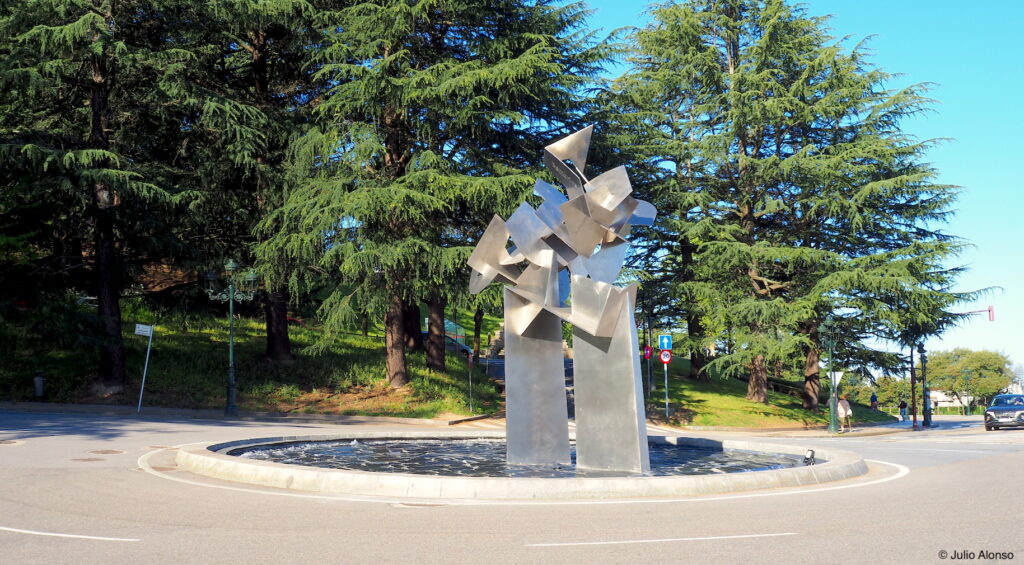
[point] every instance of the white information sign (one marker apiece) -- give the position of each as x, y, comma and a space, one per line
143, 329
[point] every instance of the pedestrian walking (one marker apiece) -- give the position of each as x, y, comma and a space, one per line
874, 401
903, 410
845, 414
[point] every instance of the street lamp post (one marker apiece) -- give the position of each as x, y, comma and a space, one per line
926, 401
827, 336
240, 288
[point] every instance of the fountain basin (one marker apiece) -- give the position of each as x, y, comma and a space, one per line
212, 459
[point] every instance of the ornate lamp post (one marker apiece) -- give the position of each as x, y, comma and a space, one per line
926, 401
240, 288
828, 340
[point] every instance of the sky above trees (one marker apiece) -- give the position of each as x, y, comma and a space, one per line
977, 77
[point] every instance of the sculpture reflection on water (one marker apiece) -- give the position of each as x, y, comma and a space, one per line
566, 255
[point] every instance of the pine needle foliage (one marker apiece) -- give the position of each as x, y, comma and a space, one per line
435, 118
69, 116
786, 188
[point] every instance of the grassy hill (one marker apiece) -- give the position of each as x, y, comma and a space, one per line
188, 369
722, 402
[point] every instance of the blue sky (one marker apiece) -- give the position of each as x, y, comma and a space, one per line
974, 56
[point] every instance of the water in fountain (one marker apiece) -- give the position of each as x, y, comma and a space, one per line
486, 458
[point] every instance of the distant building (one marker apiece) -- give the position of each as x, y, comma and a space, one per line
941, 398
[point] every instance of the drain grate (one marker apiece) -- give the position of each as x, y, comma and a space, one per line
106, 452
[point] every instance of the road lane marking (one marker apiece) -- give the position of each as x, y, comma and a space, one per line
901, 471
662, 540
57, 535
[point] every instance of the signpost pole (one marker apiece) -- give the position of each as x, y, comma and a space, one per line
141, 329
665, 357
649, 380
666, 392
647, 355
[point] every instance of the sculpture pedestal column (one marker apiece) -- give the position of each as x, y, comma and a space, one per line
611, 427
535, 404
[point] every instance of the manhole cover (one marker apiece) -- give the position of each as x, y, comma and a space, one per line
106, 452
88, 459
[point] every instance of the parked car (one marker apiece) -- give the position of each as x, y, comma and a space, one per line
1006, 411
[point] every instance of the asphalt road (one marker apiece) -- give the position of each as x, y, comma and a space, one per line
102, 489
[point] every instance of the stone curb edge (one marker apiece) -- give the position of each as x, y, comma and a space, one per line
210, 459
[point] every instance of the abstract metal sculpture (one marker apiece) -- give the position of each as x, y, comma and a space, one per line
570, 245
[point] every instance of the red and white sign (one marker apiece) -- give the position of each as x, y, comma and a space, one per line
648, 352
665, 356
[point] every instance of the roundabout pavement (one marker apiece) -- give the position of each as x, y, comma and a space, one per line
96, 488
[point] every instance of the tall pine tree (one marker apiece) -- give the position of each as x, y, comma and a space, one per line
436, 111
68, 69
786, 187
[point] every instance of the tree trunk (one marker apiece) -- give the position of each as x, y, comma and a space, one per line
695, 335
104, 199
394, 344
366, 323
812, 370
757, 386
279, 347
411, 322
435, 338
478, 324
108, 274
812, 379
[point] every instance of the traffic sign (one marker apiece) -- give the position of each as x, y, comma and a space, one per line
664, 341
665, 356
647, 351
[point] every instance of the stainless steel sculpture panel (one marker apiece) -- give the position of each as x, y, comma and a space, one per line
610, 421
572, 246
537, 431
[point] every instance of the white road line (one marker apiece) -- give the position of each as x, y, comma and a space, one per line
663, 540
936, 449
901, 471
56, 535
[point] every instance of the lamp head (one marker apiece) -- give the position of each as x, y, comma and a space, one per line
250, 282
209, 280
230, 266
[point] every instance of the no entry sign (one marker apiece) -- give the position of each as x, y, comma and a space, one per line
665, 356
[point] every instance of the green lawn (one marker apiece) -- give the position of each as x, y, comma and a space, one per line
721, 402
188, 369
